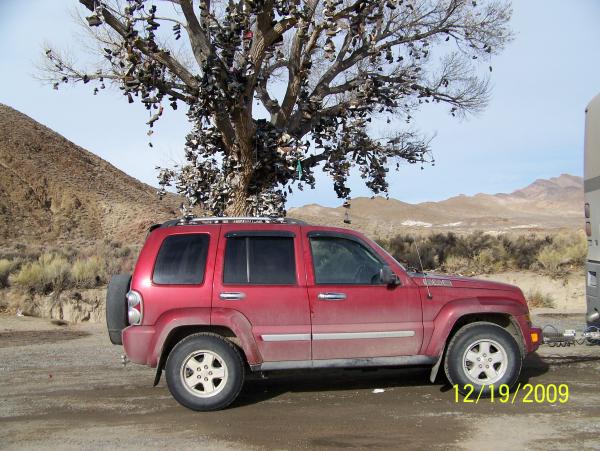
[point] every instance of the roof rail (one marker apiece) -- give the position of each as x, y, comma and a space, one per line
240, 219
229, 220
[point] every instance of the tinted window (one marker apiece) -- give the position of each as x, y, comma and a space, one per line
343, 261
260, 261
181, 260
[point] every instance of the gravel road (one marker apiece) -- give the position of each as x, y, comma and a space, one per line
63, 387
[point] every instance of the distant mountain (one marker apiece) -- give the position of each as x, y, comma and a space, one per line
544, 205
53, 190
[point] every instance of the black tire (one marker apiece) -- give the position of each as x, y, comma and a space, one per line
176, 370
116, 306
457, 363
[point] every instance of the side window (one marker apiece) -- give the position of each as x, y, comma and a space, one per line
261, 260
343, 261
181, 260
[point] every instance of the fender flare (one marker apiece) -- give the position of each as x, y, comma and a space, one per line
203, 317
450, 313
242, 328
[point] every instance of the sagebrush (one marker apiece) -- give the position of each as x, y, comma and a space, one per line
480, 252
45, 271
537, 299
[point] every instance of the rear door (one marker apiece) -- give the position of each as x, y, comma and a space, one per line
353, 314
260, 274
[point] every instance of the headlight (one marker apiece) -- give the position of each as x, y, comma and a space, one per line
134, 308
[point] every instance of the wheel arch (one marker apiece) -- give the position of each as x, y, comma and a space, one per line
501, 318
504, 320
179, 333
230, 324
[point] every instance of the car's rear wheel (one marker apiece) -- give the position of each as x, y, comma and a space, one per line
482, 354
205, 372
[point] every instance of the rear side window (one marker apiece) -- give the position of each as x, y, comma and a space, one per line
260, 261
181, 260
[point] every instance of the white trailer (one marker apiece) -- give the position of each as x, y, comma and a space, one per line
592, 208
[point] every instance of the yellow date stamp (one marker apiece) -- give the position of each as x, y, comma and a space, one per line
522, 393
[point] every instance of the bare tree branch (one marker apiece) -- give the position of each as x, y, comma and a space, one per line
323, 69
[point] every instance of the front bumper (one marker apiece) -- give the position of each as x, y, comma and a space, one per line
532, 336
535, 339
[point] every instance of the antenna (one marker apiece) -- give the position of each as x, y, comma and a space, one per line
429, 295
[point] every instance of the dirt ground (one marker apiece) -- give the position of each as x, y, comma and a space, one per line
64, 388
568, 293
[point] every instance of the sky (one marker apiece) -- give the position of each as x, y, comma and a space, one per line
532, 128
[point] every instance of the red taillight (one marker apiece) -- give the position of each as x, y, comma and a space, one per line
587, 211
588, 228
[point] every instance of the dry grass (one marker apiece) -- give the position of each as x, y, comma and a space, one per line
481, 253
89, 272
52, 270
6, 268
565, 251
537, 299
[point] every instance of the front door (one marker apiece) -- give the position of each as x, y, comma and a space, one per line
260, 273
353, 314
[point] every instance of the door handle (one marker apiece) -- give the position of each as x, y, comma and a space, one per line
331, 296
232, 296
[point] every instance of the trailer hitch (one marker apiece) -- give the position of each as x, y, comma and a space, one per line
570, 337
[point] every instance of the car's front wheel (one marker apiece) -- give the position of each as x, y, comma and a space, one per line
480, 355
205, 372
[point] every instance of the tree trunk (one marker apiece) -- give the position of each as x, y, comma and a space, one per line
239, 198
244, 130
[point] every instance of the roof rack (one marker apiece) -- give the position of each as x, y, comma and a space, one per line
239, 219
227, 220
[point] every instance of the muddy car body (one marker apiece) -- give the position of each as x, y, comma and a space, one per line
213, 298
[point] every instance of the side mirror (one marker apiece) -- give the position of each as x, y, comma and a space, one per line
388, 277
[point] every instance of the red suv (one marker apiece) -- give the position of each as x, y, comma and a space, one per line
212, 298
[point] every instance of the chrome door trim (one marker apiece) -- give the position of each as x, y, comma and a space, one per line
363, 335
285, 337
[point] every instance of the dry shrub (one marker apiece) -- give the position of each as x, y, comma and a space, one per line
89, 272
30, 278
566, 250
457, 265
523, 250
116, 257
44, 269
49, 273
537, 299
493, 259
551, 261
6, 268
480, 252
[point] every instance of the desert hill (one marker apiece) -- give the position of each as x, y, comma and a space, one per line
53, 190
544, 205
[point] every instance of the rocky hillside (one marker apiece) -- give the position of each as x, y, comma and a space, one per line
53, 190
544, 205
